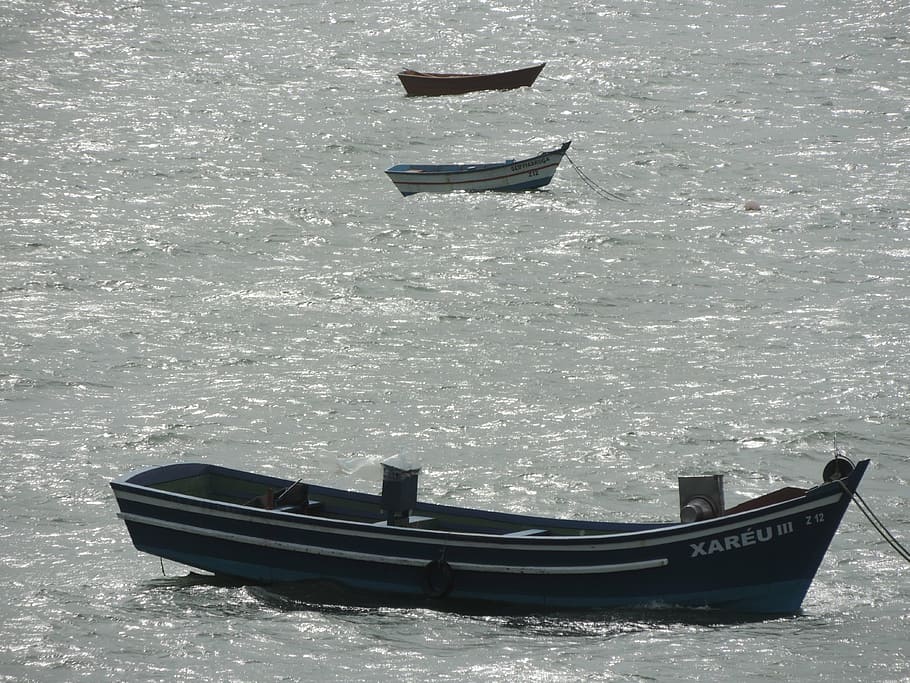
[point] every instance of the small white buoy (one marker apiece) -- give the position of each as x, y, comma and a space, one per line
752, 205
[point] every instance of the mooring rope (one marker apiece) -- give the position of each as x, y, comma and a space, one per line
606, 194
876, 523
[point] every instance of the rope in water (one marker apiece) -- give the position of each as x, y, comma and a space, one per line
606, 194
876, 522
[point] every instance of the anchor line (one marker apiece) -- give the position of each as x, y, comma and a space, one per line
606, 194
876, 523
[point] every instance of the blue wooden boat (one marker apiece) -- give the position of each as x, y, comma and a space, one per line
502, 176
758, 557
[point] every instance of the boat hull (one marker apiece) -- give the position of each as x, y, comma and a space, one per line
759, 561
433, 84
508, 176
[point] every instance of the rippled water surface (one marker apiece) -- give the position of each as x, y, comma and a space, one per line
202, 259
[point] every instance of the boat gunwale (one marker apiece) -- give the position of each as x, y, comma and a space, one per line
655, 533
458, 169
431, 179
670, 534
411, 73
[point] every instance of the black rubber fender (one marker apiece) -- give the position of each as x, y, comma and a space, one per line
439, 577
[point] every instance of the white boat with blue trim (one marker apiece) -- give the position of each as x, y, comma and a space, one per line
503, 176
757, 557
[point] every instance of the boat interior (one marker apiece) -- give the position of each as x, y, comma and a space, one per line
397, 506
446, 168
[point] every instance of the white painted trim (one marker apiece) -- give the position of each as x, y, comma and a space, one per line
544, 569
597, 543
392, 559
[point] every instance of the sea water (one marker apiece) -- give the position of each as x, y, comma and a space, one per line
201, 259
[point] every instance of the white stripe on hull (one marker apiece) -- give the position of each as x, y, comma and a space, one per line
392, 559
595, 543
450, 182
